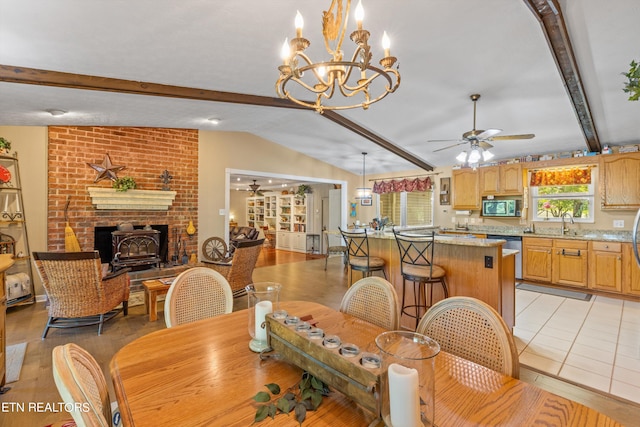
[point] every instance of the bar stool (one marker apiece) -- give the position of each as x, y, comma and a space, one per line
334, 250
416, 256
358, 253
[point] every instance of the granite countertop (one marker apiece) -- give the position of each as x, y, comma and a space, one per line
446, 240
551, 233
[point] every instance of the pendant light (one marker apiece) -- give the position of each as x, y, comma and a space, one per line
363, 193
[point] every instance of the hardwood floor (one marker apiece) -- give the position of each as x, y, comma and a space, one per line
301, 279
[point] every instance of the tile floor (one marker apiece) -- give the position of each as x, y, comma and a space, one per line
595, 343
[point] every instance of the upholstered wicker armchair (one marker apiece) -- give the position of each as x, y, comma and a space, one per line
472, 329
197, 293
373, 299
81, 385
78, 294
239, 269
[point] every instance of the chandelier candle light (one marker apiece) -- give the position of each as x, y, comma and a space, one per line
350, 77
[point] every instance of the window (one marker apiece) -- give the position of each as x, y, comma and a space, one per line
407, 208
565, 198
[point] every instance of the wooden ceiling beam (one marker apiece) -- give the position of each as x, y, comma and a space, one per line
549, 14
23, 75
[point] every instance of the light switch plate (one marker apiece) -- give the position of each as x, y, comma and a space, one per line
222, 212
618, 223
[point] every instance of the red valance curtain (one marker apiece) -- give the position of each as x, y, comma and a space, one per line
398, 186
571, 176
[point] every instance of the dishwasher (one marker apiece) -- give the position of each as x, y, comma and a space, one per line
513, 242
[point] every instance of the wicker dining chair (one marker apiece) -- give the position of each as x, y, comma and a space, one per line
77, 293
238, 270
197, 293
373, 299
358, 252
472, 329
82, 386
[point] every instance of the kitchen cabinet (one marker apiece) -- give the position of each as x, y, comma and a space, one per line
299, 242
511, 179
536, 258
503, 180
283, 240
605, 266
569, 262
630, 271
616, 169
466, 194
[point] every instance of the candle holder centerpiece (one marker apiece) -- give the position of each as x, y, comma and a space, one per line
263, 298
407, 378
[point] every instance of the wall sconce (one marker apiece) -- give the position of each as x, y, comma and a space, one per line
191, 230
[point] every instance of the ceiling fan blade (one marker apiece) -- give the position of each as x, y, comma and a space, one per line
508, 137
484, 145
450, 146
488, 133
442, 140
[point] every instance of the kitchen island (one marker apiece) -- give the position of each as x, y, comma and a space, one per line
478, 268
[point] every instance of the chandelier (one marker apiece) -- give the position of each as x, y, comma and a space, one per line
359, 81
363, 193
475, 154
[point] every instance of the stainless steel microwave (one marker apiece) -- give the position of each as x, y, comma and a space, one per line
501, 208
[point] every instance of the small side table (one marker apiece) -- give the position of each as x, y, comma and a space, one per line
153, 289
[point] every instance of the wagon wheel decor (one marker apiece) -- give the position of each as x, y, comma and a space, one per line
214, 249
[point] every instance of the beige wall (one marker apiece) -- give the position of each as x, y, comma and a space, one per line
243, 151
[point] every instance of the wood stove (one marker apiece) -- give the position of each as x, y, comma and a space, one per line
135, 249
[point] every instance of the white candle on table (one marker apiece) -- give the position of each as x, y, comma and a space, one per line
262, 309
404, 401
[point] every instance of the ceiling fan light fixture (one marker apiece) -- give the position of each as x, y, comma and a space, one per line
487, 155
474, 156
462, 157
254, 187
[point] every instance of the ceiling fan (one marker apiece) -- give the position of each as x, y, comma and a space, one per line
480, 138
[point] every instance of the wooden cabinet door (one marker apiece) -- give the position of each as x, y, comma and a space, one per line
511, 179
465, 189
569, 263
536, 259
605, 266
630, 270
489, 180
283, 240
616, 169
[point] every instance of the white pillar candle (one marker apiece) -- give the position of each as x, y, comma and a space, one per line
262, 309
6, 203
17, 203
404, 400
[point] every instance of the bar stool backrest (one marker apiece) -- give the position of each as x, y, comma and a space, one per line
416, 249
357, 243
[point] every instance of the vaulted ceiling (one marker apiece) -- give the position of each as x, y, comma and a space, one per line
548, 67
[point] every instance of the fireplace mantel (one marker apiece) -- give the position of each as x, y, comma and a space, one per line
131, 200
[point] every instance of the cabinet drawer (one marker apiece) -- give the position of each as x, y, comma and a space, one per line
570, 244
537, 241
606, 246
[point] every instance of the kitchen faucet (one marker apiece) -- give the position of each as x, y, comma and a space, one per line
564, 229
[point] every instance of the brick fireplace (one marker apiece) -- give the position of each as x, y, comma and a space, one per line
146, 153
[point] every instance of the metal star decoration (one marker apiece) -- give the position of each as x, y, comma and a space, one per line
106, 170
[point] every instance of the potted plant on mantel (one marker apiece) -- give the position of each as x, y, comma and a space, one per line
5, 145
632, 86
125, 183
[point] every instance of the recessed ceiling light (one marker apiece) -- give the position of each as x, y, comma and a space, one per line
57, 113
214, 121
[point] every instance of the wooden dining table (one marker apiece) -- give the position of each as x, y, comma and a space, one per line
204, 374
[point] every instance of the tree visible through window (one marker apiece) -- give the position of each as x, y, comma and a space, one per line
551, 202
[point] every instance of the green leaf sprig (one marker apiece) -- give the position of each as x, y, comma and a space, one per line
632, 86
125, 183
304, 396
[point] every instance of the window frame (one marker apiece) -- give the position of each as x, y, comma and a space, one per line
590, 196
